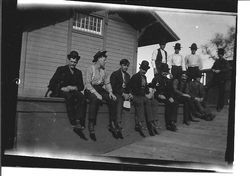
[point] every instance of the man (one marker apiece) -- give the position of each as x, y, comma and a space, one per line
119, 80
143, 105
67, 82
159, 56
197, 93
165, 94
176, 62
220, 70
96, 80
193, 62
181, 96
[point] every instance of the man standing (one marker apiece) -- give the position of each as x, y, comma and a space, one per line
119, 80
67, 82
96, 79
193, 62
176, 62
159, 56
165, 94
143, 105
220, 70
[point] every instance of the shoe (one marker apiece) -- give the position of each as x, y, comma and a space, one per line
113, 130
186, 123
92, 136
156, 124
171, 127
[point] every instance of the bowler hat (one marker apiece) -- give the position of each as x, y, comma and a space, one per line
144, 65
221, 51
193, 46
177, 46
98, 55
73, 54
164, 67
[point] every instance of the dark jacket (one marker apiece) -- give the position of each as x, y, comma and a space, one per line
196, 89
180, 87
135, 85
163, 86
63, 77
116, 81
224, 67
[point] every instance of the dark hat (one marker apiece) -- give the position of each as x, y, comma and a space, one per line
164, 67
73, 54
177, 46
162, 42
124, 62
98, 55
221, 51
144, 65
193, 46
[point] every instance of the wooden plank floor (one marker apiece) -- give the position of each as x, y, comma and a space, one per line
203, 141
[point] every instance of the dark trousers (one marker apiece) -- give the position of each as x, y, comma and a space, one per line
119, 107
76, 106
145, 107
221, 84
192, 72
188, 107
94, 104
176, 71
170, 111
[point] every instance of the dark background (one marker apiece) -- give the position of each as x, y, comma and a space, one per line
12, 27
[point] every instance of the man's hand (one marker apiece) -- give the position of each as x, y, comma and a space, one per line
112, 96
162, 97
99, 97
171, 100
186, 95
71, 88
65, 89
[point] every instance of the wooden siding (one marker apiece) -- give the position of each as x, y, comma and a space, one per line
120, 44
46, 49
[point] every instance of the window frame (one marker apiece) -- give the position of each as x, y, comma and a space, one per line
88, 31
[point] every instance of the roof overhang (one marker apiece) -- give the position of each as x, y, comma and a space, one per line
151, 27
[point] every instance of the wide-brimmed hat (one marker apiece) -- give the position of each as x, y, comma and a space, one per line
144, 65
193, 46
98, 55
221, 51
177, 46
164, 67
73, 54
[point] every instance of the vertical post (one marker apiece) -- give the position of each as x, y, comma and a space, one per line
23, 63
135, 53
69, 40
105, 29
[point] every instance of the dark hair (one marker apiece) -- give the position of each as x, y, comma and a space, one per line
124, 62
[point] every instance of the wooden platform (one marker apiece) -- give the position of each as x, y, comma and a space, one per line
43, 130
202, 142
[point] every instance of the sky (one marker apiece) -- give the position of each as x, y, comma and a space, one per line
191, 27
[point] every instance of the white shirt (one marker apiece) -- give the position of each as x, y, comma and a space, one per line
154, 55
177, 60
193, 60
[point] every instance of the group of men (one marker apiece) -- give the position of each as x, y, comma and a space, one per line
170, 86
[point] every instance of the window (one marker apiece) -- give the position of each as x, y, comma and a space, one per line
88, 23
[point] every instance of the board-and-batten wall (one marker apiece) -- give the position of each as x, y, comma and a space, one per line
43, 50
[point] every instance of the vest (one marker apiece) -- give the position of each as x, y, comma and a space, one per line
159, 56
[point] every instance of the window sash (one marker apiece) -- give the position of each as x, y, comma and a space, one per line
89, 24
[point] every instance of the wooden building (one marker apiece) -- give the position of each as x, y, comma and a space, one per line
49, 35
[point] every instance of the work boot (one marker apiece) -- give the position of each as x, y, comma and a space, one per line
91, 130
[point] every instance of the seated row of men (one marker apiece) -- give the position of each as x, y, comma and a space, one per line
119, 89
